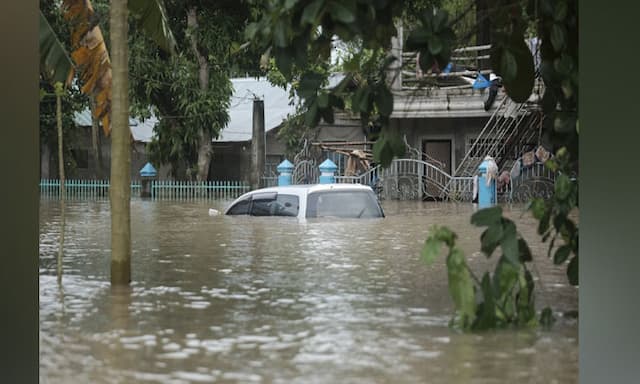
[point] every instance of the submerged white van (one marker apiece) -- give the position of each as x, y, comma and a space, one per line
309, 201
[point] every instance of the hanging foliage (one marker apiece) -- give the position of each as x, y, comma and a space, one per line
89, 52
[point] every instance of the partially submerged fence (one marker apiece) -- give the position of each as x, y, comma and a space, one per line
160, 189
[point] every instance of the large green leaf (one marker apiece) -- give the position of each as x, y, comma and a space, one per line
431, 249
519, 88
487, 310
384, 100
509, 242
461, 286
562, 254
151, 16
341, 13
55, 63
490, 239
417, 39
487, 216
311, 12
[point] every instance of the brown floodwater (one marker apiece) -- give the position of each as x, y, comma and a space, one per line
273, 300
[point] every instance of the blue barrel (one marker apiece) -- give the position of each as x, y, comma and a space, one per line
487, 192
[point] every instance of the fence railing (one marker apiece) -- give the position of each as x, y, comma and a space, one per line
160, 189
192, 190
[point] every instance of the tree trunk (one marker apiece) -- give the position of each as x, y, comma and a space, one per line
204, 145
61, 170
120, 188
98, 172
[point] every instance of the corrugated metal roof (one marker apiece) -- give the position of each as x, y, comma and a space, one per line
276, 108
141, 130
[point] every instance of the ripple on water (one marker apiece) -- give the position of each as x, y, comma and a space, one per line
279, 303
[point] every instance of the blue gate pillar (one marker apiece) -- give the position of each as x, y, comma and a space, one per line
327, 172
487, 189
285, 170
147, 174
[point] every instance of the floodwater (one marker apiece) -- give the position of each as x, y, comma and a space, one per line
271, 300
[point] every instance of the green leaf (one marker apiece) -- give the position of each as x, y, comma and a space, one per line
565, 122
538, 208
562, 254
397, 144
487, 310
364, 104
384, 100
561, 11
312, 116
439, 21
558, 39
310, 82
543, 224
572, 271
445, 235
524, 300
487, 216
288, 4
431, 249
508, 66
418, 39
311, 12
54, 60
336, 101
327, 115
490, 239
519, 87
251, 30
461, 286
323, 100
426, 60
283, 61
564, 64
562, 187
525, 253
504, 278
153, 19
280, 36
435, 45
341, 13
509, 242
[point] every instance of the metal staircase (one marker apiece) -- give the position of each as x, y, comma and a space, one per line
510, 128
500, 128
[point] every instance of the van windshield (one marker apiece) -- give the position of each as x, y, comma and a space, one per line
344, 204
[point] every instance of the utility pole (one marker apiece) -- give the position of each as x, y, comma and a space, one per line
257, 144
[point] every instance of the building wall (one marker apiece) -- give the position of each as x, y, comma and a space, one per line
86, 165
458, 130
231, 161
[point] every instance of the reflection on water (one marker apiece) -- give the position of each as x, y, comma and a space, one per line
239, 299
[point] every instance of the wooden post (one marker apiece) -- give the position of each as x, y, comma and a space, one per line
59, 91
257, 144
120, 188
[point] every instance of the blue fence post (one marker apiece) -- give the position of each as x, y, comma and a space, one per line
327, 172
285, 170
487, 188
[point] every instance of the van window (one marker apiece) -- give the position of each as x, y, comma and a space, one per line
281, 205
240, 208
344, 204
